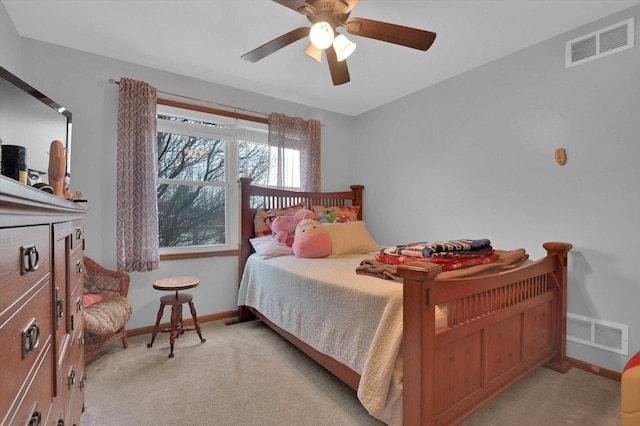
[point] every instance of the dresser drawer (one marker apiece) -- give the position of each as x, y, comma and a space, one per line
74, 369
76, 270
37, 401
77, 236
16, 276
72, 378
24, 334
76, 401
75, 316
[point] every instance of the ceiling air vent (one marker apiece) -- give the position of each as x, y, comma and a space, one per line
606, 41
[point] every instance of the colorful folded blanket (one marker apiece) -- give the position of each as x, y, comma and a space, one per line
440, 248
497, 261
507, 260
448, 263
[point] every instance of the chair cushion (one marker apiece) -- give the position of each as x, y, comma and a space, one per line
633, 362
108, 315
90, 299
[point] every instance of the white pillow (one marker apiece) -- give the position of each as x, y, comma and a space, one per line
350, 238
267, 247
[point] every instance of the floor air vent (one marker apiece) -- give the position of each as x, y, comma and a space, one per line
598, 333
606, 41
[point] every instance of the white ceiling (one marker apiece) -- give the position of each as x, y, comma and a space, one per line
205, 39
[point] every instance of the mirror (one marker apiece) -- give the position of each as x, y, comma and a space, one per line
30, 119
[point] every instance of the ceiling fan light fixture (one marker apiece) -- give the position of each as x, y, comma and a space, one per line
321, 35
328, 16
343, 47
313, 52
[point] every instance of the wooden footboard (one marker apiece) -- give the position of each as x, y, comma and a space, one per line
501, 327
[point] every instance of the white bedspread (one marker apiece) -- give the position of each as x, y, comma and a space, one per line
355, 319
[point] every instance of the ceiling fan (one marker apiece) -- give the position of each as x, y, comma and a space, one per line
329, 15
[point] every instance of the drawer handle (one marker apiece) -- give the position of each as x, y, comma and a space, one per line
36, 416
60, 307
78, 233
78, 266
30, 337
81, 339
30, 258
71, 380
83, 382
79, 304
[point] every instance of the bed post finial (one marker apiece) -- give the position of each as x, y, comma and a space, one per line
357, 198
557, 248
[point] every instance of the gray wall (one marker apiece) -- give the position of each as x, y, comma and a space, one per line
473, 157
470, 157
9, 44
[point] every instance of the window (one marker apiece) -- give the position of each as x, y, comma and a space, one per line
200, 156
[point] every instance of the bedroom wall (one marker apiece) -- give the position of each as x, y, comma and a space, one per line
9, 43
79, 81
473, 157
470, 157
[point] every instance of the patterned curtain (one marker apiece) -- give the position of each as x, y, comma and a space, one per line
300, 135
137, 205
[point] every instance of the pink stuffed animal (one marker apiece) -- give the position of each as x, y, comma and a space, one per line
283, 229
304, 214
311, 240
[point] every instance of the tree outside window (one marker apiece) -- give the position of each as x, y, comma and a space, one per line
199, 160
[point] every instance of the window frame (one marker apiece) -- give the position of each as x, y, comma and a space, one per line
232, 197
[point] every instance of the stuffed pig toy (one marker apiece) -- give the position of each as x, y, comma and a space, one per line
311, 240
283, 228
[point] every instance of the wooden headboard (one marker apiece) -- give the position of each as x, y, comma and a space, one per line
254, 197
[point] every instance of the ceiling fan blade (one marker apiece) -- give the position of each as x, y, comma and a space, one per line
391, 33
339, 70
276, 44
299, 6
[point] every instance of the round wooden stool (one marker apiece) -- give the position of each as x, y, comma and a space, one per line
176, 301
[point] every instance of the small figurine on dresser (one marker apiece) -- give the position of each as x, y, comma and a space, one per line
57, 166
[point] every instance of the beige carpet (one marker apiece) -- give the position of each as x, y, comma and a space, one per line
246, 374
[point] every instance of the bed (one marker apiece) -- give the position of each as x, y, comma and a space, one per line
427, 351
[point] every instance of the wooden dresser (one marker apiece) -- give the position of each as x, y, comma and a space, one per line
41, 330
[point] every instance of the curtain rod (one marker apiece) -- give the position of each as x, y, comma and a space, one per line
113, 81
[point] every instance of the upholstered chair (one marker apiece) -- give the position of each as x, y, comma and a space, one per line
106, 308
630, 394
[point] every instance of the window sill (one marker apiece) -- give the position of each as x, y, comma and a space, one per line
199, 254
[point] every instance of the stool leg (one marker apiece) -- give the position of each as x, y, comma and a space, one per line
175, 312
180, 323
156, 327
195, 321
